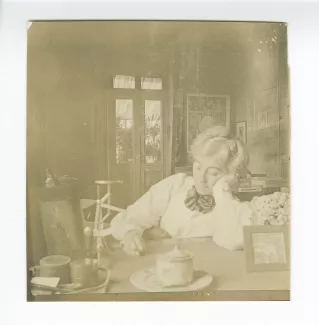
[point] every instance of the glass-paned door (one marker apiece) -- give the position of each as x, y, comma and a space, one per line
152, 143
136, 142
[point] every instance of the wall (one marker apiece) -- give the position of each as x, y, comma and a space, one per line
259, 99
216, 70
70, 71
59, 81
284, 106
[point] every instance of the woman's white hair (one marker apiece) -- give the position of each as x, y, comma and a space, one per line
219, 142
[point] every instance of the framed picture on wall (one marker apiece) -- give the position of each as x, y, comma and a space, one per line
267, 248
241, 131
204, 111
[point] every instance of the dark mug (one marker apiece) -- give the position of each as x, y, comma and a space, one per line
55, 266
84, 272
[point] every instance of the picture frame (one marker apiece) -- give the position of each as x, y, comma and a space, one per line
267, 248
204, 111
241, 131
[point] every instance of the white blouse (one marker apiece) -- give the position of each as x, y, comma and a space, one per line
163, 205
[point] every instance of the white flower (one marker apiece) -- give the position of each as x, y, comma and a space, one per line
273, 208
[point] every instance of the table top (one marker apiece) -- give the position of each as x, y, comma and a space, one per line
227, 267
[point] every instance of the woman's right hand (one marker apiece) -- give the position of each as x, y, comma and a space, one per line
223, 186
133, 243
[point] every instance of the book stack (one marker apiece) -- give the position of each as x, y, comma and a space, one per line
259, 181
246, 185
250, 189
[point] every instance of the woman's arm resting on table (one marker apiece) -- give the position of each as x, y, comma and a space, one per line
147, 211
229, 218
228, 224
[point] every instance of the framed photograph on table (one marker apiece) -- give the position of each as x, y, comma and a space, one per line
267, 248
204, 111
241, 131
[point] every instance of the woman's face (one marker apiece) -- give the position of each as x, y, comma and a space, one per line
206, 172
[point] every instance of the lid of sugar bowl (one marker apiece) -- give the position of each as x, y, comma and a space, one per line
177, 255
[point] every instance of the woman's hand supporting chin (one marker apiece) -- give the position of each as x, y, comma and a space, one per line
222, 188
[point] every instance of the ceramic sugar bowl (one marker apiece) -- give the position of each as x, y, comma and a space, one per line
175, 268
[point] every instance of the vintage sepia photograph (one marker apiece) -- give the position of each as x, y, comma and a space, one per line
158, 161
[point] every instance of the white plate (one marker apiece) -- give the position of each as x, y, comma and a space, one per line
146, 280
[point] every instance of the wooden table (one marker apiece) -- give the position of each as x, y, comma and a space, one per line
227, 267
232, 282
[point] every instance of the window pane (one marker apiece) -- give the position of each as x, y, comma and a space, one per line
151, 83
153, 139
124, 130
124, 82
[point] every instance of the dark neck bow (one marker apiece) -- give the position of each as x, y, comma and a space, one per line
197, 202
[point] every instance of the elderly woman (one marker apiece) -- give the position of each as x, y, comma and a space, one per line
198, 206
